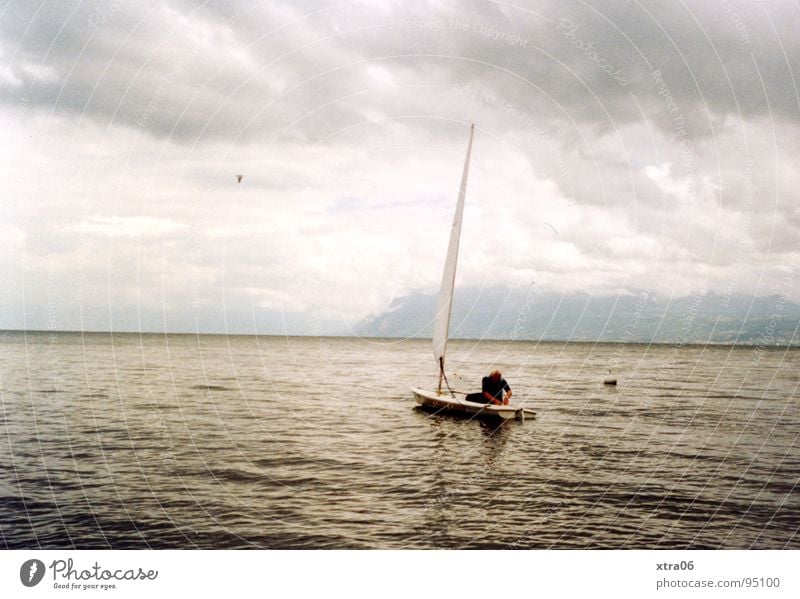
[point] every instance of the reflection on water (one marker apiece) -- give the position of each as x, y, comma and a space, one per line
226, 442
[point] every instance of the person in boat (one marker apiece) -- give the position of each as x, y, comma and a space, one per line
492, 389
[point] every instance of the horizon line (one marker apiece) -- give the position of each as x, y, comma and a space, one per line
789, 345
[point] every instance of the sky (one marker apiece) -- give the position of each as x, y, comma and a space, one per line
619, 147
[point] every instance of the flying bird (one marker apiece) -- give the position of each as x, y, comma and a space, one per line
239, 178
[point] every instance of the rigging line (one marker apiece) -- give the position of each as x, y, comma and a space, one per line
444, 376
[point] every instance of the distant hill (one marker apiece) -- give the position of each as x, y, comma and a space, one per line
518, 313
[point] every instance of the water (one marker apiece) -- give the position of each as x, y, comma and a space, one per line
131, 441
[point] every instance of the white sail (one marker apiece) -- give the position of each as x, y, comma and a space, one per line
444, 305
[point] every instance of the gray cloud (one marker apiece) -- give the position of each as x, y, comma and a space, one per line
234, 70
659, 139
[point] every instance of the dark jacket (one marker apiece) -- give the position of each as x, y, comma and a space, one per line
494, 388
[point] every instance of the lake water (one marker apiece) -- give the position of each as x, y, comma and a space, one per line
132, 441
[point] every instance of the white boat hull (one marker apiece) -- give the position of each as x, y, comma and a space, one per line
444, 402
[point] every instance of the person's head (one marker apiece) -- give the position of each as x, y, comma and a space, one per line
496, 375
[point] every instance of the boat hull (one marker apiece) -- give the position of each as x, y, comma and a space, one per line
458, 405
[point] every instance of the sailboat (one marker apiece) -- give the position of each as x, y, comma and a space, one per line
449, 401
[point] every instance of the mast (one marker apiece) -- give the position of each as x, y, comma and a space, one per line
444, 304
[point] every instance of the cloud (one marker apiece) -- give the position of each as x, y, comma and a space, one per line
132, 226
233, 70
659, 140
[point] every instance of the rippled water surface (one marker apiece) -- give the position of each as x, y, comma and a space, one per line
267, 442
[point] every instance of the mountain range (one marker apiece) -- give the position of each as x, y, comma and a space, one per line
641, 317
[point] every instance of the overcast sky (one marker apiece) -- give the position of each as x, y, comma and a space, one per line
620, 146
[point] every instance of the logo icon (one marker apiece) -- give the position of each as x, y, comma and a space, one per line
31, 572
